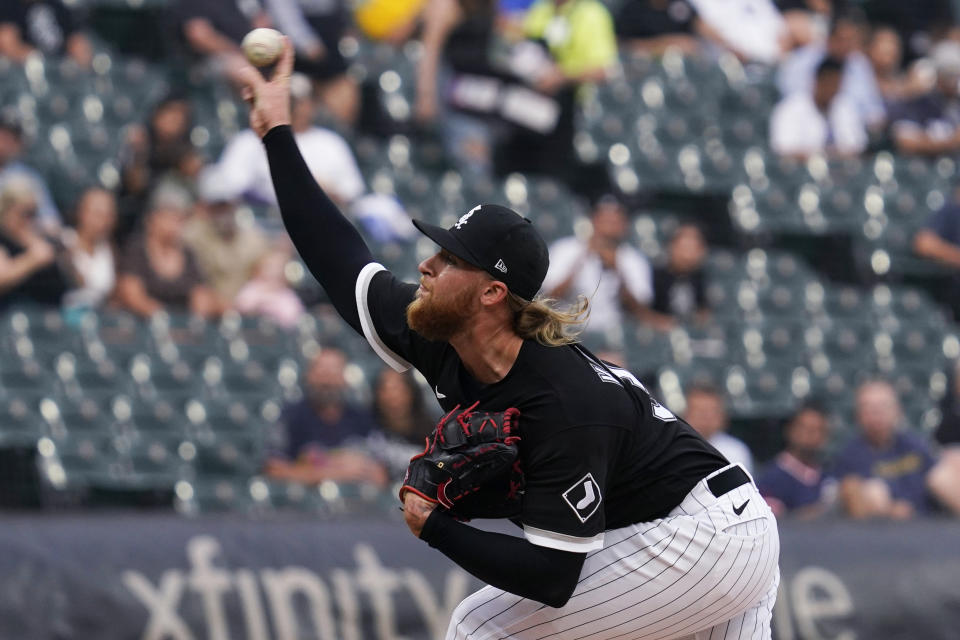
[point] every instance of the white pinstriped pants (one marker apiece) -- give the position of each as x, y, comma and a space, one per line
701, 573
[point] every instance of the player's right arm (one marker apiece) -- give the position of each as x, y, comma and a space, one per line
367, 296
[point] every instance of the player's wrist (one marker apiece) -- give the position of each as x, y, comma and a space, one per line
276, 130
434, 526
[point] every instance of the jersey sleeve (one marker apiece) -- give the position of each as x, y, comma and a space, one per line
566, 480
382, 302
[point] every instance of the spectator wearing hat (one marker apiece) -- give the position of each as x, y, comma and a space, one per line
11, 149
930, 124
226, 247
824, 121
47, 26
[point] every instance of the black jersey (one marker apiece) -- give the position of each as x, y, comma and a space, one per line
598, 451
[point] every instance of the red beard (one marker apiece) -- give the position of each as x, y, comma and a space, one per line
439, 320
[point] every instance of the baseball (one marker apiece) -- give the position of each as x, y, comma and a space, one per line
262, 46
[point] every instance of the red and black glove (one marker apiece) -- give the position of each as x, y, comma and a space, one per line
471, 465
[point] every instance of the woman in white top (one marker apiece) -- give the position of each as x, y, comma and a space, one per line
91, 249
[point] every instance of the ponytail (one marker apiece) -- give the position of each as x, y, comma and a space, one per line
539, 320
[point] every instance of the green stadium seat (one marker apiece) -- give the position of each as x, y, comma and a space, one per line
213, 495
89, 459
154, 460
224, 455
758, 393
148, 416
274, 495
20, 421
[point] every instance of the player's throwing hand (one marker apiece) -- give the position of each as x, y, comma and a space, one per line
269, 100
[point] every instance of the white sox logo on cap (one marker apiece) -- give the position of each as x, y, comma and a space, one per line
465, 217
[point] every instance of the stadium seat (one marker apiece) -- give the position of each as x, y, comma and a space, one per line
212, 495
223, 455
154, 460
20, 421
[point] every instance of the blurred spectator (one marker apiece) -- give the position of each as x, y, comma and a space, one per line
158, 272
939, 240
795, 483
213, 30
580, 37
885, 52
268, 292
930, 124
805, 124
243, 171
613, 274
799, 72
315, 28
919, 22
183, 177
806, 21
226, 251
656, 25
34, 267
390, 20
679, 287
947, 472
91, 249
948, 432
886, 471
150, 152
582, 46
707, 413
321, 437
400, 411
456, 37
47, 26
11, 148
754, 30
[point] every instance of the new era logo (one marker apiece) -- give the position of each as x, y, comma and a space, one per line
502, 268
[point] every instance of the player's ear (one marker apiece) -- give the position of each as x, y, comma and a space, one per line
493, 292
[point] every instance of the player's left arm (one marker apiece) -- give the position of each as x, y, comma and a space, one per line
562, 517
506, 562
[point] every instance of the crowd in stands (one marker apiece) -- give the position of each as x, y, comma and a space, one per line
501, 84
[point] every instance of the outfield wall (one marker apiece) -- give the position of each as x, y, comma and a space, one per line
160, 577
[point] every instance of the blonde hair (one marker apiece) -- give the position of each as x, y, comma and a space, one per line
542, 321
16, 191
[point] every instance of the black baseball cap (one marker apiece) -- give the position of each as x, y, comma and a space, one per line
498, 240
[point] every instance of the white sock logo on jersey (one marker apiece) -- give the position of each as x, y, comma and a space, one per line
587, 499
584, 497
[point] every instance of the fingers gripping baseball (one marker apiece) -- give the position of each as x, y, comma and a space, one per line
269, 100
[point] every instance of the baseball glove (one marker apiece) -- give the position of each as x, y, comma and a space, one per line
470, 465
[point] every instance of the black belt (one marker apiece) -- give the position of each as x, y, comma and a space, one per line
728, 480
